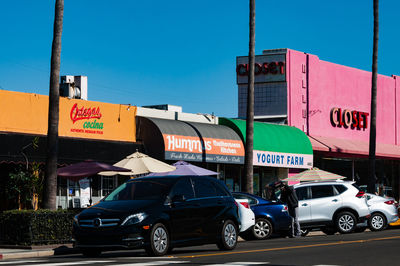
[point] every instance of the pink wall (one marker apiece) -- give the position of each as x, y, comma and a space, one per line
332, 85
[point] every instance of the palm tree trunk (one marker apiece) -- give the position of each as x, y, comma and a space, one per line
372, 134
50, 189
250, 102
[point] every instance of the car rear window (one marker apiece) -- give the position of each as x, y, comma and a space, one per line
340, 188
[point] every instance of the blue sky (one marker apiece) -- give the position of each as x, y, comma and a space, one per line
183, 52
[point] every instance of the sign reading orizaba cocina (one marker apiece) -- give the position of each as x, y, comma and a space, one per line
28, 113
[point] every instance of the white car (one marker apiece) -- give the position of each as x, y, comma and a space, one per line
246, 215
331, 206
383, 212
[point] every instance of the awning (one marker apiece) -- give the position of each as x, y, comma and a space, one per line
353, 147
276, 145
190, 141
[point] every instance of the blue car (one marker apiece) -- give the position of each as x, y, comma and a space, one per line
271, 217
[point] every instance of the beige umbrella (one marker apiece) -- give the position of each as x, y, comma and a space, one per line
140, 163
314, 174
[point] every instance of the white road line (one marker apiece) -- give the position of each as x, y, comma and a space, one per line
153, 263
78, 262
236, 263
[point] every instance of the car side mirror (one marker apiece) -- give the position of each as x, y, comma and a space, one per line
178, 198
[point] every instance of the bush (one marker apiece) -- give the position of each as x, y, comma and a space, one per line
29, 227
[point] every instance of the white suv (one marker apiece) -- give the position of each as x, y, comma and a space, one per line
331, 206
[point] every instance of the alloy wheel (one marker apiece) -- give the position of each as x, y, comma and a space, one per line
160, 240
262, 229
230, 236
346, 223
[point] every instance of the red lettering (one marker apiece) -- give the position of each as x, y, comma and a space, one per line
84, 113
355, 119
262, 68
272, 68
281, 67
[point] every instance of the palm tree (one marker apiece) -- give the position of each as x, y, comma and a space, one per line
372, 134
250, 102
50, 189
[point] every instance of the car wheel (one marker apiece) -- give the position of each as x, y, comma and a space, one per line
262, 229
91, 252
377, 222
159, 241
304, 232
328, 230
228, 237
345, 222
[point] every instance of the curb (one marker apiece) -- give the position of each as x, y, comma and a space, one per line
30, 254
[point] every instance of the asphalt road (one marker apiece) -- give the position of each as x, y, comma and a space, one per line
368, 248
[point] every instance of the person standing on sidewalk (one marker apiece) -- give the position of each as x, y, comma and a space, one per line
289, 197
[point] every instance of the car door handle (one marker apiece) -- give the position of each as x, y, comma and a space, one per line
335, 200
304, 204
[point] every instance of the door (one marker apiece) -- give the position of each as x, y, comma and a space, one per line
324, 202
183, 211
303, 196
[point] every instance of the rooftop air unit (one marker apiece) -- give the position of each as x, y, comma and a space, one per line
74, 87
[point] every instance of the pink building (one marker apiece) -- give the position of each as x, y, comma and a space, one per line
331, 104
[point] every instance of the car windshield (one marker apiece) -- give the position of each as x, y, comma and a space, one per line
151, 189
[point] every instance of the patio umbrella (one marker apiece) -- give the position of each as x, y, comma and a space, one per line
185, 168
140, 163
84, 169
314, 174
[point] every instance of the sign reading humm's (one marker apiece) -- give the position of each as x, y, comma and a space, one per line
280, 159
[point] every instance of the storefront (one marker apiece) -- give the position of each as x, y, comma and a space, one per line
87, 130
278, 150
207, 145
331, 104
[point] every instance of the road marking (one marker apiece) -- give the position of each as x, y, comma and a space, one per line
152, 263
238, 264
78, 262
292, 247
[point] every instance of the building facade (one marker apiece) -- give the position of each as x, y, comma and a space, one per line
331, 104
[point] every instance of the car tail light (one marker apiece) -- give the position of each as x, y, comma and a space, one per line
285, 208
245, 204
360, 194
389, 202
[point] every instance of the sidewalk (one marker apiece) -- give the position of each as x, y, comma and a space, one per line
17, 252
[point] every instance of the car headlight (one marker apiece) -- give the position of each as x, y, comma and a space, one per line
134, 218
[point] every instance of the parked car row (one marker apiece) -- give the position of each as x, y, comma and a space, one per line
160, 213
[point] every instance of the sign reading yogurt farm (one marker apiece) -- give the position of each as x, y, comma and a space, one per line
279, 159
267, 68
349, 119
178, 147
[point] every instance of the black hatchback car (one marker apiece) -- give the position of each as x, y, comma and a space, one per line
159, 213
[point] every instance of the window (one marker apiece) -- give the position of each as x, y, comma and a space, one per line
107, 184
220, 190
322, 191
149, 189
183, 187
340, 188
203, 188
302, 193
252, 201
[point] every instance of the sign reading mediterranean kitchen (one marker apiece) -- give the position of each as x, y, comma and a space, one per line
193, 148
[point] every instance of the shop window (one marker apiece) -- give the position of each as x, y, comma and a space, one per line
62, 186
96, 186
108, 185
73, 189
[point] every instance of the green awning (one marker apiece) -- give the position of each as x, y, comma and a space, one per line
271, 141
